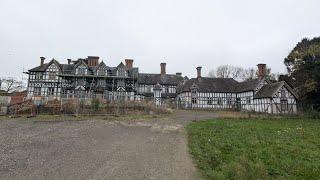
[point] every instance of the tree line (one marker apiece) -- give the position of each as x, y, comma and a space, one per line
239, 73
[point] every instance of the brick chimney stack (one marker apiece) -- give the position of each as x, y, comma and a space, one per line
163, 68
129, 63
93, 61
262, 69
199, 72
42, 60
69, 61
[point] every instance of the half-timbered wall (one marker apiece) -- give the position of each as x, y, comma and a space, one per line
262, 105
283, 102
45, 84
207, 100
245, 101
146, 88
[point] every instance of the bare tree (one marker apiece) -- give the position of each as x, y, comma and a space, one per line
227, 71
11, 84
237, 73
249, 74
212, 73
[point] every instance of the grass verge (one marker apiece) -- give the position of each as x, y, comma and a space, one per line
256, 148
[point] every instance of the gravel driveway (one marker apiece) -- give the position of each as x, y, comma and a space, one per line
98, 149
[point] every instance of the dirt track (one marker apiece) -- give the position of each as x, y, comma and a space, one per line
97, 149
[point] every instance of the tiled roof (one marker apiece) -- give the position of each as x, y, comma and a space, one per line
40, 68
163, 79
248, 85
68, 68
268, 90
206, 84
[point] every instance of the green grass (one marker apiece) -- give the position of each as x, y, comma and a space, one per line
256, 148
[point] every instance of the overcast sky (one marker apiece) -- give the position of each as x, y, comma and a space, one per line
183, 33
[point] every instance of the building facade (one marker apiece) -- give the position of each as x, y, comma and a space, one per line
89, 78
257, 95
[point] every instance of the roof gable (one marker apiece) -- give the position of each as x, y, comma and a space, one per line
81, 62
101, 65
269, 90
44, 67
121, 65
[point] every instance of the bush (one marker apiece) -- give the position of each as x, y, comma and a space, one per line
95, 104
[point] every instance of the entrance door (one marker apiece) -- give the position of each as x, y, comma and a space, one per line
238, 104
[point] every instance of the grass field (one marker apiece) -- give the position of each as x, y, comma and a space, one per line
256, 148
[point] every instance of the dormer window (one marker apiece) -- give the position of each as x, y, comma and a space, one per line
101, 72
121, 72
81, 70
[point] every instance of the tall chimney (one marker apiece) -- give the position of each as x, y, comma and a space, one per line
42, 60
262, 69
163, 68
129, 63
199, 72
93, 61
69, 61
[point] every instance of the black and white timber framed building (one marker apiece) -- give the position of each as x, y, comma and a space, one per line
89, 78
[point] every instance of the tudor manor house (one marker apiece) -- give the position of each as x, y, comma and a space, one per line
89, 78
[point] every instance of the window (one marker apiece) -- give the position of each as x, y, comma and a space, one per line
219, 101
39, 76
283, 93
50, 91
101, 72
52, 75
194, 100
101, 82
248, 100
121, 72
81, 70
229, 100
284, 105
210, 101
167, 90
37, 91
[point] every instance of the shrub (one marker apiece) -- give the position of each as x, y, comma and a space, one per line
95, 104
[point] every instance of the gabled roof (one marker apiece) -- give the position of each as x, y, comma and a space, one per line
81, 61
269, 90
168, 79
39, 68
43, 67
121, 65
206, 84
99, 65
